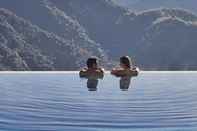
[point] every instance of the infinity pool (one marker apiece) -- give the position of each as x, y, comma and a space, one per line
155, 101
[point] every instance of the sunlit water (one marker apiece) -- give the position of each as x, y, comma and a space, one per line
154, 102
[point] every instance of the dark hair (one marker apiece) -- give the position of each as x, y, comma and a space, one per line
126, 61
91, 61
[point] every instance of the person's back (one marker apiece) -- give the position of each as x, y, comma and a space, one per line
125, 69
92, 69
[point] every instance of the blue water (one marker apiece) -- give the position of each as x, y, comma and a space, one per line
62, 102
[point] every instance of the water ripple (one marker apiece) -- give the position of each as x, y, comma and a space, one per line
62, 102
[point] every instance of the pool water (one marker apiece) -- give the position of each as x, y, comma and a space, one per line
155, 101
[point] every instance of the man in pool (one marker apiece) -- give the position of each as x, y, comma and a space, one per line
92, 69
125, 69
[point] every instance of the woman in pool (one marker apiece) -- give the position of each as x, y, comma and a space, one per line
125, 69
92, 70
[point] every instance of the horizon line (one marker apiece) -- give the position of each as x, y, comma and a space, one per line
71, 72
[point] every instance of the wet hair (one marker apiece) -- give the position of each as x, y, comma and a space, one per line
91, 61
126, 60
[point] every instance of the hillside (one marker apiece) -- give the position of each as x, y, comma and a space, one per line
27, 47
123, 32
140, 5
169, 43
157, 39
49, 18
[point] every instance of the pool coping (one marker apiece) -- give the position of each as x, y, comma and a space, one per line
74, 72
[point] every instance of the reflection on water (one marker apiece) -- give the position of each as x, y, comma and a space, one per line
125, 83
92, 84
92, 81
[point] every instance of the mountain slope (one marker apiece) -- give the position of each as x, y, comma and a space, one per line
27, 47
170, 43
102, 28
140, 5
123, 32
45, 15
101, 20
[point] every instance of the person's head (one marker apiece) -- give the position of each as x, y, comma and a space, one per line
92, 62
125, 62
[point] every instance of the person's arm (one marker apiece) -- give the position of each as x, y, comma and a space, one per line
83, 73
135, 71
100, 73
114, 71
97, 73
118, 72
102, 70
121, 73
